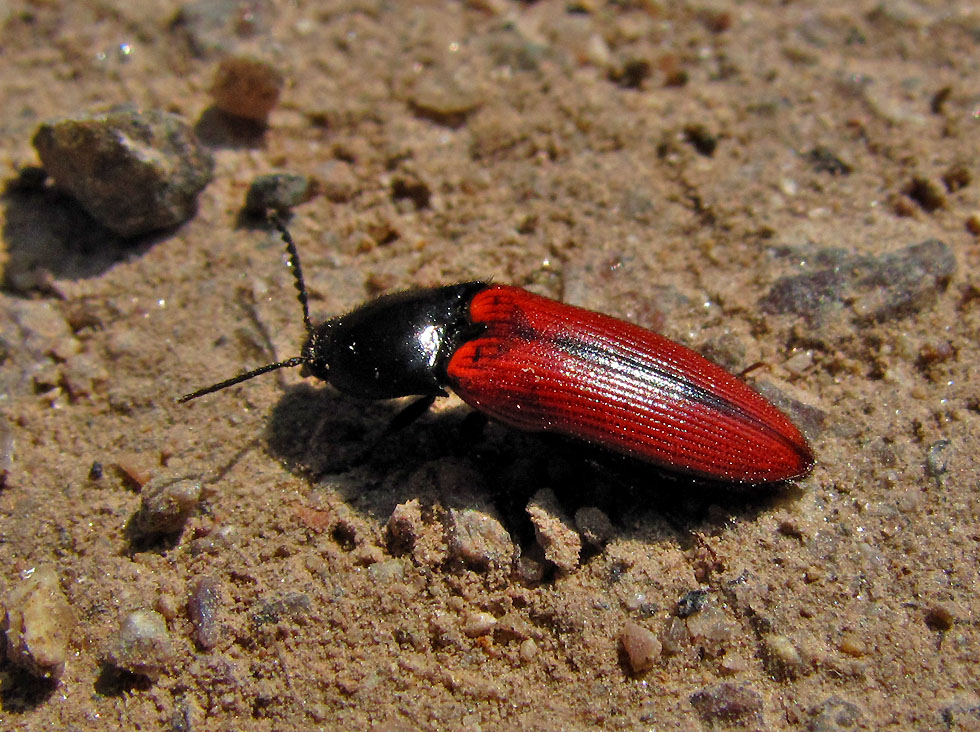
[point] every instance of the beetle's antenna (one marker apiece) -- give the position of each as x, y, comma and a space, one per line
297, 271
303, 300
288, 363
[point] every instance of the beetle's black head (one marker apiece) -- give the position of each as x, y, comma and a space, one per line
316, 355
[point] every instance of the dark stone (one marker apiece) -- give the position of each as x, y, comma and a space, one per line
279, 192
692, 602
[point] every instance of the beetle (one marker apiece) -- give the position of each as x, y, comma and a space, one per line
540, 365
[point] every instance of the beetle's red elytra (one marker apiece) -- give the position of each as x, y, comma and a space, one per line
540, 365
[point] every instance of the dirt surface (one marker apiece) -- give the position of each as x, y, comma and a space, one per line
673, 165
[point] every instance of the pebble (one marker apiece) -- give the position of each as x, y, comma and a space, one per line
203, 607
294, 606
478, 539
834, 714
409, 531
248, 87
676, 636
134, 170
389, 571
279, 192
642, 647
368, 554
212, 26
594, 526
166, 505
825, 160
691, 602
781, 657
733, 663
881, 288
143, 644
711, 630
553, 531
38, 623
528, 650
728, 702
937, 459
83, 375
852, 645
445, 97
337, 180
6, 448
42, 329
972, 224
809, 417
512, 626
478, 623
511, 47
214, 542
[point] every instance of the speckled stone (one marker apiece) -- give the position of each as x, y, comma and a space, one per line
134, 170
143, 644
38, 624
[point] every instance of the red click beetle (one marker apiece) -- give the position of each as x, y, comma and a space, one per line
542, 366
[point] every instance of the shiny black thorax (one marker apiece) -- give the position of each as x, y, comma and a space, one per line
395, 346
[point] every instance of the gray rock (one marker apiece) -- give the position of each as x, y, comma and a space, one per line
478, 539
133, 170
143, 644
203, 607
879, 288
208, 27
279, 192
167, 504
834, 715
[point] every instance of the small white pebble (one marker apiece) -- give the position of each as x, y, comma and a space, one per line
529, 649
478, 623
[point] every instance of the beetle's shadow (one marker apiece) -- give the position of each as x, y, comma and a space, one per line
324, 435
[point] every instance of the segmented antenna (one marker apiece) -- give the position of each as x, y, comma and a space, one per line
297, 271
303, 300
288, 363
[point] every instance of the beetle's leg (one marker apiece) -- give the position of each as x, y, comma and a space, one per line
409, 414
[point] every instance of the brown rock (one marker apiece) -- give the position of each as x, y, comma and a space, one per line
38, 623
246, 87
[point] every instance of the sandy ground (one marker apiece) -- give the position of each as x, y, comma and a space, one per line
668, 164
